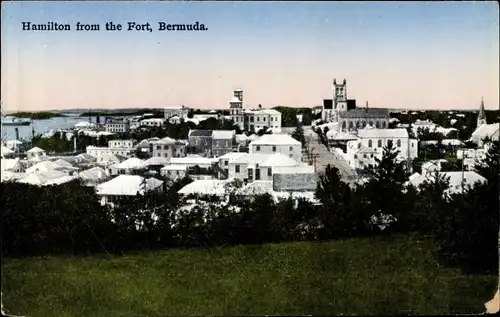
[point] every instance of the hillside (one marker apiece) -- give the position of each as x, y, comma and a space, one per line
391, 275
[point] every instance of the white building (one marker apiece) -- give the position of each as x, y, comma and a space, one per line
277, 143
93, 176
35, 153
250, 167
174, 171
115, 147
127, 185
256, 120
371, 142
176, 111
167, 147
12, 165
424, 125
129, 166
117, 126
153, 122
458, 180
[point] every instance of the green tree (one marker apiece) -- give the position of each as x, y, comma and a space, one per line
298, 134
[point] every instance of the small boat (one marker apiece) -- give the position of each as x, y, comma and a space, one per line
15, 122
12, 121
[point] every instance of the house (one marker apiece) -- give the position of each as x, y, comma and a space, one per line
432, 166
174, 171
115, 147
458, 180
223, 141
255, 120
153, 122
222, 165
6, 152
127, 186
167, 147
35, 153
12, 165
129, 166
485, 131
46, 177
93, 176
201, 141
48, 166
108, 159
277, 143
176, 111
117, 126
423, 125
370, 145
250, 167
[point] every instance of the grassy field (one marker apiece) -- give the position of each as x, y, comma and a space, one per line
395, 275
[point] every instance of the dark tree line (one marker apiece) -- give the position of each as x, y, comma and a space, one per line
69, 218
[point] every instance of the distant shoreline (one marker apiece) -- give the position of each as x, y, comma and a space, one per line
39, 115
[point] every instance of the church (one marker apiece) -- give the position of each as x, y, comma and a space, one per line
348, 117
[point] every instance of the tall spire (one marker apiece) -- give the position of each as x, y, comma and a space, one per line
481, 116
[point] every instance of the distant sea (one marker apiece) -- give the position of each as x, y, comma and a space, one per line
42, 126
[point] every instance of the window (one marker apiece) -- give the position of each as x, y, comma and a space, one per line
291, 155
258, 119
291, 148
225, 163
257, 148
389, 143
217, 143
412, 144
364, 155
379, 143
370, 143
227, 143
274, 149
371, 155
355, 156
359, 145
399, 143
269, 172
264, 119
237, 168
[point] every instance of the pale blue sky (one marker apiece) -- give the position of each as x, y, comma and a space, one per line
411, 54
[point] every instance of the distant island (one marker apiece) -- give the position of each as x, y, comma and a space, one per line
37, 115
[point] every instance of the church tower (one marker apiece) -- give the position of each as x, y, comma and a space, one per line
236, 108
481, 116
339, 97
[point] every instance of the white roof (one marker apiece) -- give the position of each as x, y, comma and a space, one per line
235, 100
6, 151
231, 156
205, 187
455, 178
8, 164
486, 131
382, 133
266, 160
129, 185
131, 163
94, 173
452, 142
42, 177
191, 160
275, 139
62, 163
301, 169
158, 160
35, 150
223, 134
253, 137
175, 167
44, 166
241, 137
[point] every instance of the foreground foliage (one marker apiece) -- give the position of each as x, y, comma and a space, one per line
368, 276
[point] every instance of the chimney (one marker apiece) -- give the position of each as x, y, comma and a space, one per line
366, 106
17, 133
